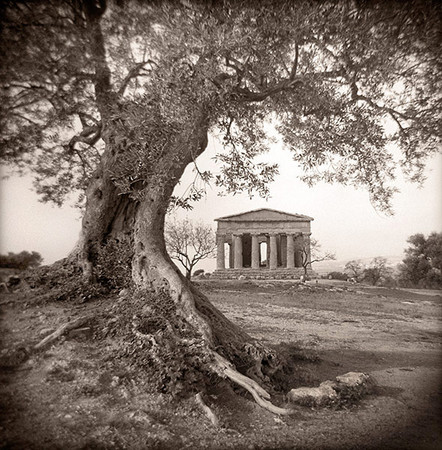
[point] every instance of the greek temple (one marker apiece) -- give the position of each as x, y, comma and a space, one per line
263, 243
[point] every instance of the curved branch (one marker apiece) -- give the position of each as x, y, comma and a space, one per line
133, 73
260, 395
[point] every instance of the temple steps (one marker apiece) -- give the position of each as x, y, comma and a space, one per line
261, 274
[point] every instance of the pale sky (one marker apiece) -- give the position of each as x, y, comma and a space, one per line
345, 221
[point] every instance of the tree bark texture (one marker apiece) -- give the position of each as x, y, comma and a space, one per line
140, 219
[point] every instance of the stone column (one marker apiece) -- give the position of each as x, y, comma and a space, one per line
290, 252
298, 250
307, 246
220, 257
238, 251
268, 252
255, 252
273, 252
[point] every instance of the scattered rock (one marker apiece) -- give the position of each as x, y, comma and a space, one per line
353, 379
345, 389
316, 396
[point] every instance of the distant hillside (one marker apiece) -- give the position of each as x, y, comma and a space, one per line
338, 265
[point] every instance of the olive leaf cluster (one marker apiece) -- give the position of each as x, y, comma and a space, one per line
353, 88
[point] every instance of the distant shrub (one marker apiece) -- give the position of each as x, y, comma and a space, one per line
337, 276
390, 282
20, 261
378, 272
422, 265
198, 272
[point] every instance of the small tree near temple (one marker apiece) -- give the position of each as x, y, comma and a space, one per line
311, 253
189, 243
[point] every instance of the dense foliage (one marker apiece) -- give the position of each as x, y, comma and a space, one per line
335, 275
422, 265
378, 271
341, 81
20, 261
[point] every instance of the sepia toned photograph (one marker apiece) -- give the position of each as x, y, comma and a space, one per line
220, 224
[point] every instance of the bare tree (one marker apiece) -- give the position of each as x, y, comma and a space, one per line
189, 243
311, 253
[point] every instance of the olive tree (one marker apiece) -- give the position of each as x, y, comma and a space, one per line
116, 98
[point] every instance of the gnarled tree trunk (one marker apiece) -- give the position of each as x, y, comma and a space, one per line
140, 217
110, 215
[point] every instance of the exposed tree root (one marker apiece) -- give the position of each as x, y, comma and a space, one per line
63, 329
207, 411
261, 396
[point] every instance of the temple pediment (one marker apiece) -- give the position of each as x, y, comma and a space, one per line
265, 215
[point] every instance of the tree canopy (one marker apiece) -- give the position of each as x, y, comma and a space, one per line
341, 81
422, 265
377, 271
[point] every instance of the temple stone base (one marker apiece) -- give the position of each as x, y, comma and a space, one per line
261, 274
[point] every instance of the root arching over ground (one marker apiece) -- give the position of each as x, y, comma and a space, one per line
174, 333
191, 360
169, 329
98, 386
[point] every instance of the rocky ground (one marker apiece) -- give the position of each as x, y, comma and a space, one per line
70, 394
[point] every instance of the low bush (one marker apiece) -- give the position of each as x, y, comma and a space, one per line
337, 276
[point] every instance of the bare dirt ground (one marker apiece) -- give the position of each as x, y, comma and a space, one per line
73, 396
